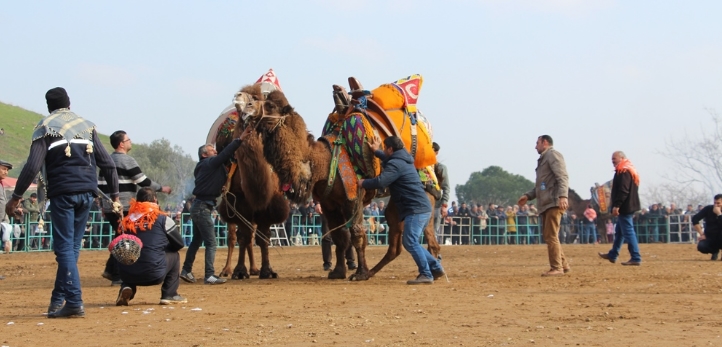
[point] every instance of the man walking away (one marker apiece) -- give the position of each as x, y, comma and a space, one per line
551, 188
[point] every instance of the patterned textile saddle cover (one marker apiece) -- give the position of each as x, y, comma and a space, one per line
348, 134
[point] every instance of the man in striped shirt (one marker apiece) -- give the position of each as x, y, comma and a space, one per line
130, 177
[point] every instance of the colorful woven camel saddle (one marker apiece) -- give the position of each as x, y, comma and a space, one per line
389, 110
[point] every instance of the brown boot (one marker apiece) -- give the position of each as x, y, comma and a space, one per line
553, 272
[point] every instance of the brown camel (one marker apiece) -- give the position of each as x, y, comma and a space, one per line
252, 202
303, 165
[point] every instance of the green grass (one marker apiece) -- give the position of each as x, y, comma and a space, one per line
15, 143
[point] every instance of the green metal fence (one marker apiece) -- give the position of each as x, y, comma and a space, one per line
300, 230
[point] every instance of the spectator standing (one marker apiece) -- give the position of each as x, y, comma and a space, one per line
565, 228
69, 149
511, 225
711, 241
589, 233
413, 205
522, 218
551, 190
210, 176
440, 211
625, 202
610, 230
130, 177
5, 233
32, 211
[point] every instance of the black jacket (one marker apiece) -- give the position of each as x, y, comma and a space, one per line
211, 174
400, 175
625, 193
712, 222
162, 237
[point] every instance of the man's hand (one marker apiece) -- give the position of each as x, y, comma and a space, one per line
360, 182
563, 203
375, 143
245, 133
700, 237
166, 189
522, 200
117, 206
615, 211
716, 210
12, 208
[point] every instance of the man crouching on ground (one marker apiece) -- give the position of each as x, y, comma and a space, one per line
159, 261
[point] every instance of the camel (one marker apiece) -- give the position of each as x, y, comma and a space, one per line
577, 205
252, 202
303, 167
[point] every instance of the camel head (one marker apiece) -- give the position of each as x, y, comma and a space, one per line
249, 104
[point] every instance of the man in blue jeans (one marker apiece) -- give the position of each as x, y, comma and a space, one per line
625, 202
69, 150
407, 193
210, 176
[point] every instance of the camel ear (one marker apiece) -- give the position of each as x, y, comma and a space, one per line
287, 109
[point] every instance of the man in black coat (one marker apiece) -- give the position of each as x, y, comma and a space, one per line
711, 241
625, 201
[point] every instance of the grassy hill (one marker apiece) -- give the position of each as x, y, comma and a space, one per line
15, 143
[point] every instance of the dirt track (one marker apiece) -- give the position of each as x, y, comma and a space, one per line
495, 298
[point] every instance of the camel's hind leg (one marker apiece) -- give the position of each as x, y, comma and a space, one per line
244, 239
251, 261
231, 242
396, 231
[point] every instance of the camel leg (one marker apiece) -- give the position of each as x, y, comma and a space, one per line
396, 230
266, 270
359, 240
231, 242
244, 238
429, 233
342, 240
251, 261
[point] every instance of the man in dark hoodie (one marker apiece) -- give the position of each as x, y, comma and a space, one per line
407, 193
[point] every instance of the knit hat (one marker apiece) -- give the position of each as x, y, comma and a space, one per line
57, 98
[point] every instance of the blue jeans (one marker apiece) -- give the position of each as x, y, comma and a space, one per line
589, 233
203, 232
69, 213
625, 231
413, 226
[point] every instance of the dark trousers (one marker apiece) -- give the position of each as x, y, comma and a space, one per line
709, 246
111, 265
326, 243
170, 282
203, 232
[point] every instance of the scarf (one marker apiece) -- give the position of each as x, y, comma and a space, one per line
141, 215
626, 165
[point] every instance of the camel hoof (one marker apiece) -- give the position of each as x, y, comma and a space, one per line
359, 277
240, 276
267, 274
337, 275
255, 272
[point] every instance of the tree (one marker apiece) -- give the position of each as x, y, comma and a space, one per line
167, 165
493, 185
698, 159
680, 194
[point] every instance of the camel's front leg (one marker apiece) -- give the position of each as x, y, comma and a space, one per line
262, 241
360, 241
251, 261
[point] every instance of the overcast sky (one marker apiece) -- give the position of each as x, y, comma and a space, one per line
597, 76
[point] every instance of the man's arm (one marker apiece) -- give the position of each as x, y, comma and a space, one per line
225, 155
136, 174
445, 188
106, 165
38, 151
388, 176
623, 188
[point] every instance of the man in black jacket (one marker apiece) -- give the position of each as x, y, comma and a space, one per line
625, 201
159, 261
210, 176
414, 207
711, 241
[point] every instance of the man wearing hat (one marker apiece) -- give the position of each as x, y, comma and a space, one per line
68, 149
441, 204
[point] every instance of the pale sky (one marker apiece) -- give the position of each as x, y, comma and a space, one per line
597, 76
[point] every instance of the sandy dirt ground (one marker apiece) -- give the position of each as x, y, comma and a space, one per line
495, 297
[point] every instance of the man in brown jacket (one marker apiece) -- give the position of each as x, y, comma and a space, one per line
552, 186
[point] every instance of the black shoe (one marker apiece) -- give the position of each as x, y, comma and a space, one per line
606, 256
54, 308
68, 312
107, 275
352, 265
715, 255
124, 296
326, 267
438, 274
